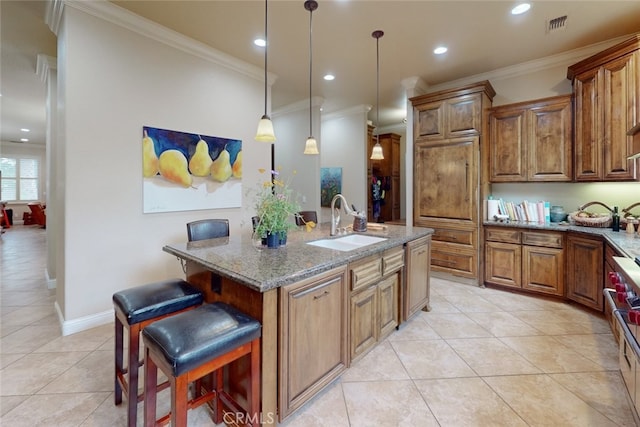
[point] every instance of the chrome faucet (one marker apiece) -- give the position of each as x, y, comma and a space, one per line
335, 213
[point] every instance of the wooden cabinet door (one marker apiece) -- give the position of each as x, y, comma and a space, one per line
364, 328
618, 100
388, 304
503, 264
588, 149
550, 154
463, 116
584, 270
507, 145
430, 121
543, 270
446, 180
313, 330
418, 260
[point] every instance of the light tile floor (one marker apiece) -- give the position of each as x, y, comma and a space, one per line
481, 357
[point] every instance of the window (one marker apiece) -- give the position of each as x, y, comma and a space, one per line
20, 179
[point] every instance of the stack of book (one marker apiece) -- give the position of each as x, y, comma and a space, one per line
525, 211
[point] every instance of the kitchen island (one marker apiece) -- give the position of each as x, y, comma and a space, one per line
320, 308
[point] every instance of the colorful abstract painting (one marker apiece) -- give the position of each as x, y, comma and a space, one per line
330, 184
186, 171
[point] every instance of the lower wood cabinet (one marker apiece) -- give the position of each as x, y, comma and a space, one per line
417, 289
313, 330
585, 275
374, 301
525, 259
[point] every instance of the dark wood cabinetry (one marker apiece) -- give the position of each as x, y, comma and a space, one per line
417, 276
585, 270
525, 259
449, 180
389, 170
532, 141
607, 104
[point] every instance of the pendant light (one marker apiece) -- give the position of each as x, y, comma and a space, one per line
376, 153
311, 146
265, 126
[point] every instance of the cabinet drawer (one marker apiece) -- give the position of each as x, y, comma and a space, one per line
536, 238
502, 235
366, 272
460, 237
609, 253
392, 260
458, 263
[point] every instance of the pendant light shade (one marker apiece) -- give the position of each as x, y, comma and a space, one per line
311, 146
265, 126
376, 153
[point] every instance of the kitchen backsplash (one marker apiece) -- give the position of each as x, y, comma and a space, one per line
572, 195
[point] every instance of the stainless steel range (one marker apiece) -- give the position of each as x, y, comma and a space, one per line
624, 301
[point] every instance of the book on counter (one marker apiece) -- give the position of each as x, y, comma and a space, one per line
526, 211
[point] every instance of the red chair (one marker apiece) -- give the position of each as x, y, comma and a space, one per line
38, 214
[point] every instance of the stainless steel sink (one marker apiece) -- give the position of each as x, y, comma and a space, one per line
347, 243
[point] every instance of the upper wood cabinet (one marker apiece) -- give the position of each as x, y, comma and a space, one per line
450, 118
531, 141
607, 104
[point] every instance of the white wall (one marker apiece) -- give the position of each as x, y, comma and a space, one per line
291, 125
112, 82
344, 145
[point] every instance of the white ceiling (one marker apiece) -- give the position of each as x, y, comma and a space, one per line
481, 36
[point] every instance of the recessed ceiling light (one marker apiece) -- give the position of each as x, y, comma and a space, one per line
329, 77
521, 8
260, 42
24, 139
439, 50
24, 130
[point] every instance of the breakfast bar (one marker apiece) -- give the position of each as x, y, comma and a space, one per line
320, 307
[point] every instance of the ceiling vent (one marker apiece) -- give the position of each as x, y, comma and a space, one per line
557, 24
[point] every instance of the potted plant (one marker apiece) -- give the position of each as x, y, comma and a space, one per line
275, 203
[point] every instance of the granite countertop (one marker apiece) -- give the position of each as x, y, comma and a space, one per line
626, 243
244, 260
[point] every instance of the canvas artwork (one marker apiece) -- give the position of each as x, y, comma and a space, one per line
185, 171
330, 184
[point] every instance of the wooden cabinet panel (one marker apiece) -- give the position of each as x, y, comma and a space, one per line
531, 141
503, 264
392, 260
588, 154
364, 331
548, 239
550, 151
388, 304
543, 270
457, 236
308, 362
507, 145
365, 272
505, 235
450, 177
606, 87
584, 270
458, 262
417, 276
430, 123
620, 94
463, 116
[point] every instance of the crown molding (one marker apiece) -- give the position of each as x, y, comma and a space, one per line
358, 109
316, 101
45, 64
53, 15
529, 67
121, 17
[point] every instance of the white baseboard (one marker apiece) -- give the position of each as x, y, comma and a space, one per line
84, 323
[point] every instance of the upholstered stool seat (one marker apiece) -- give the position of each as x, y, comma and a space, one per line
196, 343
136, 308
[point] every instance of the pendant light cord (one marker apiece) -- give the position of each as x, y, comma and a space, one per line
310, 69
266, 46
378, 89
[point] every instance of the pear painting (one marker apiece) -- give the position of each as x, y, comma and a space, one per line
201, 160
189, 171
149, 157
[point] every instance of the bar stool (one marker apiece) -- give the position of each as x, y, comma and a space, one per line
196, 343
136, 308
